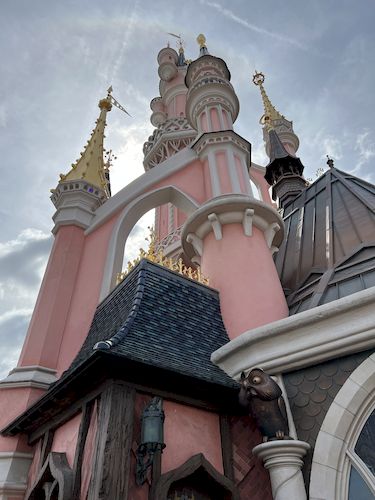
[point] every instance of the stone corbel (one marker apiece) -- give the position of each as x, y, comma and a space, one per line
247, 222
270, 233
216, 226
196, 242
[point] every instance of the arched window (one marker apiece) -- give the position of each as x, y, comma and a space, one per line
343, 465
362, 463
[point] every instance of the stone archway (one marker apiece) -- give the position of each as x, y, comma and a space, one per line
127, 220
346, 415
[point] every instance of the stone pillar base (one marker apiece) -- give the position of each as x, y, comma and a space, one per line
283, 459
14, 469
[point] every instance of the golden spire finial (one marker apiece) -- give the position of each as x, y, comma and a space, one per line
90, 166
270, 112
201, 39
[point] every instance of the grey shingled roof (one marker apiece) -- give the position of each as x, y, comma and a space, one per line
329, 249
160, 318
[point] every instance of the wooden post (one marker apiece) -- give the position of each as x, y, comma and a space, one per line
111, 465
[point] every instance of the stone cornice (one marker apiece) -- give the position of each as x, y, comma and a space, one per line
217, 139
230, 209
339, 328
76, 202
37, 377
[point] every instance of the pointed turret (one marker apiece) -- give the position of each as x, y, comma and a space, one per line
86, 186
273, 119
90, 166
284, 171
181, 61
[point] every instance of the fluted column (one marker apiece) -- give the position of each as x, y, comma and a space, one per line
284, 461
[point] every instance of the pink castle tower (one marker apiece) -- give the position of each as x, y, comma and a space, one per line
197, 176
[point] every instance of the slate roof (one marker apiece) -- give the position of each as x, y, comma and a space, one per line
329, 249
159, 318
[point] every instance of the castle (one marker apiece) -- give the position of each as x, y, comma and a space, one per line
127, 384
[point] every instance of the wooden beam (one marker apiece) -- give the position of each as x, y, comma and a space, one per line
226, 447
111, 466
81, 441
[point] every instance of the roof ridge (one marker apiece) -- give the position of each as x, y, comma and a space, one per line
138, 295
354, 177
339, 174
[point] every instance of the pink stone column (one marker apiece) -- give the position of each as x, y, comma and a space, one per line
241, 268
42, 344
232, 238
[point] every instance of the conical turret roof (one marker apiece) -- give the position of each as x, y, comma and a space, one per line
90, 166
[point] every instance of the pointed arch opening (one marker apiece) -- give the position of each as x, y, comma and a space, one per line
195, 479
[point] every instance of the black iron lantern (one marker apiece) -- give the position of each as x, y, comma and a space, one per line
152, 437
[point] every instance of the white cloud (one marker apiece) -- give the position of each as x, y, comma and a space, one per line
252, 27
365, 148
3, 116
332, 147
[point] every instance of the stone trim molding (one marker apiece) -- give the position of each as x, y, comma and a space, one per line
204, 141
140, 185
343, 422
230, 209
339, 328
76, 202
38, 377
284, 460
14, 468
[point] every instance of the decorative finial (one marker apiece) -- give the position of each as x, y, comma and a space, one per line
181, 54
258, 78
180, 41
109, 158
201, 39
270, 112
330, 162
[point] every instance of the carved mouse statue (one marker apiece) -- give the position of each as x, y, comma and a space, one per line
262, 396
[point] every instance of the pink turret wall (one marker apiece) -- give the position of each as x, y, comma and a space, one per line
223, 172
188, 431
86, 293
68, 297
243, 271
65, 438
47, 325
13, 402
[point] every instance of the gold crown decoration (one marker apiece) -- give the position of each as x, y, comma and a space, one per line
156, 255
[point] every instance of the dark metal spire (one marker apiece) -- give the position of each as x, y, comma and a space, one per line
284, 171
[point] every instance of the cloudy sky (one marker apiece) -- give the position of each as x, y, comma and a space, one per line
59, 57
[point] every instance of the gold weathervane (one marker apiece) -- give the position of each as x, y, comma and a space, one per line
180, 41
115, 102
